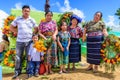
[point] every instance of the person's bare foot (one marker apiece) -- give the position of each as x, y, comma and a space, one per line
51, 72
73, 68
68, 69
46, 73
90, 67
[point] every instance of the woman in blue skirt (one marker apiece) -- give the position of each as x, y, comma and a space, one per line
75, 47
95, 31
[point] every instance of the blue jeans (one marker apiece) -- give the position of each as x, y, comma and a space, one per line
33, 67
20, 47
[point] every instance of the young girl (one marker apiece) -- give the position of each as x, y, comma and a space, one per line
75, 48
63, 50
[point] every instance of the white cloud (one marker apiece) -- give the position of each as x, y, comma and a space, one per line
56, 4
19, 6
111, 23
68, 8
3, 15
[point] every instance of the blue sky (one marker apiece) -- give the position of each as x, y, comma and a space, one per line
84, 8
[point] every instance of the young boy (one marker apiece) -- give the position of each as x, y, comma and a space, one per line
34, 58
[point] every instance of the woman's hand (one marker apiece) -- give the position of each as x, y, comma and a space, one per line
62, 49
42, 58
28, 57
67, 48
54, 37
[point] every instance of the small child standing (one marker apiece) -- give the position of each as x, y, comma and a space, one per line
34, 58
63, 50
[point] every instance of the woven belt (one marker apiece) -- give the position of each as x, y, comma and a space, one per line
95, 34
48, 33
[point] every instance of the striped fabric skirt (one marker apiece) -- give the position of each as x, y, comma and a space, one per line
93, 49
50, 56
74, 51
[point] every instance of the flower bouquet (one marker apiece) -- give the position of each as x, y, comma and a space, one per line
39, 45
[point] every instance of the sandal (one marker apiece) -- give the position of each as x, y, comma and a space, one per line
65, 71
95, 71
46, 73
73, 68
51, 72
89, 69
60, 72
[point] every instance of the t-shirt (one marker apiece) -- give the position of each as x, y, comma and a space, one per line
34, 54
25, 28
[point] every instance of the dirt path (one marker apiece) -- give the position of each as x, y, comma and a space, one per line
79, 74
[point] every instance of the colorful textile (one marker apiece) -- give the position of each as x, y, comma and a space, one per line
51, 54
63, 56
47, 29
75, 32
75, 51
75, 47
93, 49
94, 41
75, 17
94, 27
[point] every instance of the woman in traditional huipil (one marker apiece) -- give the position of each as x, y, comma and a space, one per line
48, 31
75, 47
95, 31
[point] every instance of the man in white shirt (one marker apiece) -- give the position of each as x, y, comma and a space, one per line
23, 27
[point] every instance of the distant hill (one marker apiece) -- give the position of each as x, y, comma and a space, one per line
37, 15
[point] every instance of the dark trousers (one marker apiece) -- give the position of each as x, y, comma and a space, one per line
33, 67
20, 48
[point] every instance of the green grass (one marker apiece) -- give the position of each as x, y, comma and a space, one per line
37, 15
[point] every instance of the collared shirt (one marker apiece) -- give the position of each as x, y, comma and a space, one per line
25, 28
34, 54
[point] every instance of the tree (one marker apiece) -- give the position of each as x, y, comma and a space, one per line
47, 6
118, 13
109, 29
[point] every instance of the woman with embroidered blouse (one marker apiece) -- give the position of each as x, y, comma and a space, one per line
95, 31
75, 46
48, 31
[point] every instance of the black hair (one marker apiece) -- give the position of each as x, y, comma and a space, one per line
48, 12
5, 37
62, 24
100, 14
25, 6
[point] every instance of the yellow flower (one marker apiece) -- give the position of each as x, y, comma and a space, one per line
5, 62
102, 51
6, 27
108, 61
39, 45
118, 59
11, 65
105, 59
43, 20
